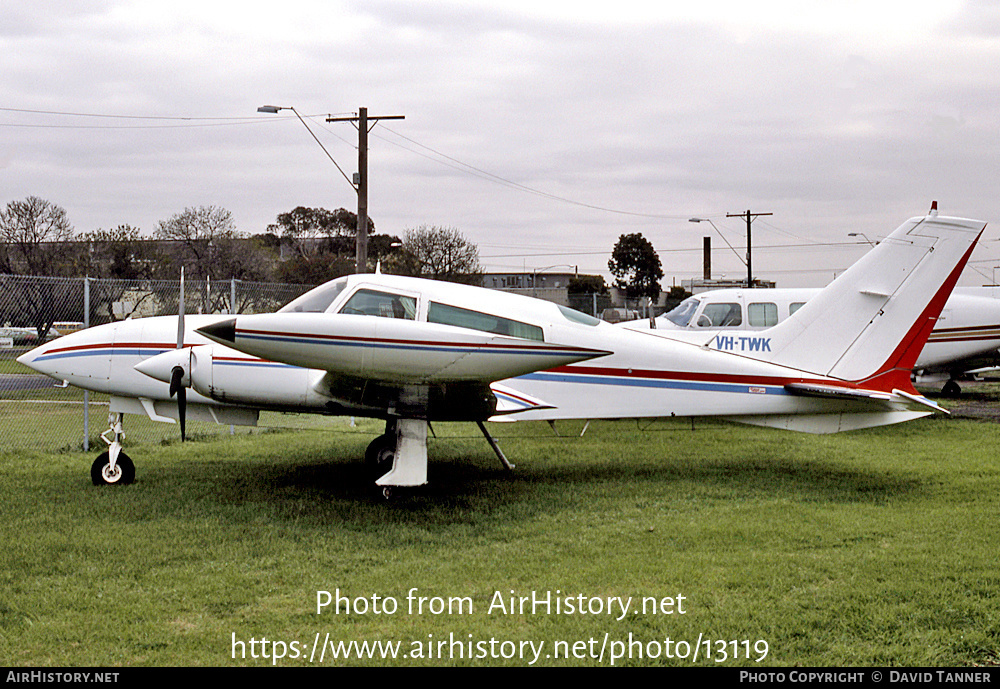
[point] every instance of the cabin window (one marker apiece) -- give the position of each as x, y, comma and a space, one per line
792, 308
485, 322
720, 316
762, 315
370, 302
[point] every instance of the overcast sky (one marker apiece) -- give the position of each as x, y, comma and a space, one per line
541, 130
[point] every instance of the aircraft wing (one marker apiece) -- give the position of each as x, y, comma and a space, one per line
390, 350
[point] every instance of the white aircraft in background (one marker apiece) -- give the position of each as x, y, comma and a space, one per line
413, 351
964, 340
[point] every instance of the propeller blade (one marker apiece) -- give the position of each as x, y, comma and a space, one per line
177, 388
180, 315
176, 375
182, 411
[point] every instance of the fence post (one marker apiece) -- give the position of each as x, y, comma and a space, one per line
86, 393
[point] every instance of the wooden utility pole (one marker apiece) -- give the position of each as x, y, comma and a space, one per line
749, 216
361, 181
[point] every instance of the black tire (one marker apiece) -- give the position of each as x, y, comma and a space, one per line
124, 470
951, 389
380, 454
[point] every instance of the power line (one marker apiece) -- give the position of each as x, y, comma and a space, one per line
475, 171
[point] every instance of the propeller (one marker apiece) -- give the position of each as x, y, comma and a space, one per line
177, 388
177, 373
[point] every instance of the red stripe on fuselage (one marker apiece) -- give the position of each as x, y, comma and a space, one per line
733, 378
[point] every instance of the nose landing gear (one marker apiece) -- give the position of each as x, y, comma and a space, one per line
113, 467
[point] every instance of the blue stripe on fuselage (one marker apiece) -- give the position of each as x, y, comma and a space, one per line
655, 383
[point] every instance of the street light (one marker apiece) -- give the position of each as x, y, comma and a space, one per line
534, 274
861, 234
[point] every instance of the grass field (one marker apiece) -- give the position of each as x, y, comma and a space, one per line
871, 548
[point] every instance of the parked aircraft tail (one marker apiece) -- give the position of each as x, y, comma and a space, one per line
888, 301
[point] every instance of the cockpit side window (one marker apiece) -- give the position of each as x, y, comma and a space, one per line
316, 300
792, 308
682, 313
370, 302
720, 316
485, 322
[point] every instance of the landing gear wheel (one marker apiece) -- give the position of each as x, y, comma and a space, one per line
380, 454
102, 474
951, 389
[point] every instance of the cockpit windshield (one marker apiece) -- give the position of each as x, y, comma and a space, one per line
316, 300
682, 313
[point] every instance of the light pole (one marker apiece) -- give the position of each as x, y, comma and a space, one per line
861, 234
361, 186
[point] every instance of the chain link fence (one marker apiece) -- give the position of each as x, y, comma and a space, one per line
35, 413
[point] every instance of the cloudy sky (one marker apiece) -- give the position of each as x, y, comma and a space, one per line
541, 130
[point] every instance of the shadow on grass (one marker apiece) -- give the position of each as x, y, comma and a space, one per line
466, 489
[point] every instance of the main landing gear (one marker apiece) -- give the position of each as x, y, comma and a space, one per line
951, 389
399, 456
113, 467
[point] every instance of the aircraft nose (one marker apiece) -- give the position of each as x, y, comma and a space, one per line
28, 358
79, 356
36, 360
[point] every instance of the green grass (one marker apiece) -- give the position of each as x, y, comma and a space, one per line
867, 548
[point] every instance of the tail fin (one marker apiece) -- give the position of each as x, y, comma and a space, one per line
869, 325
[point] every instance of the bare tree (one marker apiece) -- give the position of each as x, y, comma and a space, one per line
208, 245
37, 238
438, 253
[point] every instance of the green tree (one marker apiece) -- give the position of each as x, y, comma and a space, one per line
587, 284
311, 231
636, 267
588, 293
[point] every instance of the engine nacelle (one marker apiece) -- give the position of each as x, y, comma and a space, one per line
231, 377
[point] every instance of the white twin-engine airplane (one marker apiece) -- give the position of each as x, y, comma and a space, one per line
413, 351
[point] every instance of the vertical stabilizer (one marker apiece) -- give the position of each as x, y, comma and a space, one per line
869, 325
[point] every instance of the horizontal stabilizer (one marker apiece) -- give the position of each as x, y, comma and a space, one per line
920, 400
834, 392
896, 397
